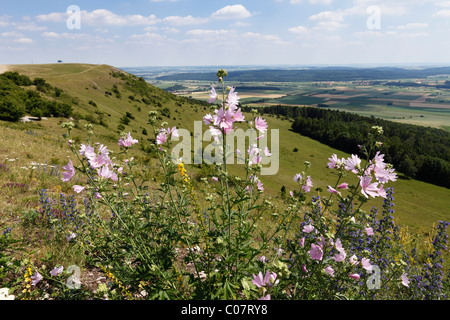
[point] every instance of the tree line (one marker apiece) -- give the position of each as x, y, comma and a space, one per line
418, 152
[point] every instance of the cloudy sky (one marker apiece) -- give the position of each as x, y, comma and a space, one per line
216, 32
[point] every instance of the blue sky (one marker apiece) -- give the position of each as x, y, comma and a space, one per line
213, 32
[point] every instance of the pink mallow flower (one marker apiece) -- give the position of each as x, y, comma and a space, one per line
405, 280
369, 231
384, 174
260, 124
78, 188
260, 185
161, 138
308, 185
106, 173
268, 279
232, 99
298, 177
343, 186
208, 119
36, 278
70, 171
368, 188
302, 242
353, 260
353, 163
224, 120
308, 228
128, 141
339, 257
213, 95
260, 280
173, 132
56, 271
87, 151
316, 252
354, 276
332, 190
366, 264
334, 162
329, 270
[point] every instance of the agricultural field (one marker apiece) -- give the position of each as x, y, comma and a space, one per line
426, 106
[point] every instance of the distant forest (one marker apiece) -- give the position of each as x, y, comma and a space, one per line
418, 152
314, 74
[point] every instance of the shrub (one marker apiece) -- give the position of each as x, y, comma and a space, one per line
11, 111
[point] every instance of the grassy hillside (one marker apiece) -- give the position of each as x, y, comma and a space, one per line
103, 95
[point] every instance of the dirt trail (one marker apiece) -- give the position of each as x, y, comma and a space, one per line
3, 68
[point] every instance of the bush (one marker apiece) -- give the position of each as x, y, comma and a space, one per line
20, 80
11, 111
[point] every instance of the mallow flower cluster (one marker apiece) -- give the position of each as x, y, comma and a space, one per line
222, 122
372, 177
224, 118
99, 162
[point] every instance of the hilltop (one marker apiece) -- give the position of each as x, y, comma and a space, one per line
115, 101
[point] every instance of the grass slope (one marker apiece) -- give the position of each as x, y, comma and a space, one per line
418, 205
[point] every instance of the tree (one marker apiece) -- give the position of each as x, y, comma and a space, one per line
407, 166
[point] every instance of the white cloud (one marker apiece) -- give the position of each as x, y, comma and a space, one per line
390, 33
29, 26
327, 15
298, 30
24, 40
442, 13
106, 17
64, 35
329, 25
170, 30
13, 34
208, 32
151, 28
321, 1
240, 24
102, 17
369, 33
414, 25
444, 4
184, 21
312, 1
148, 36
261, 37
237, 11
50, 34
52, 17
4, 21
